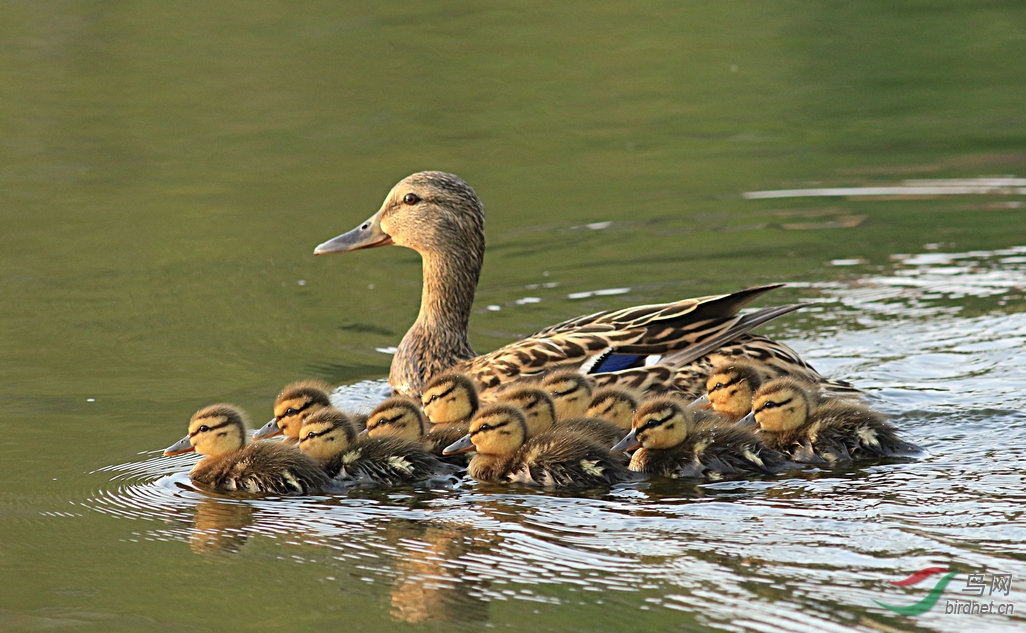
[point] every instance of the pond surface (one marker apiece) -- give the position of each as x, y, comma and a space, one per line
165, 175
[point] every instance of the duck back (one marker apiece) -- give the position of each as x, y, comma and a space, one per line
262, 467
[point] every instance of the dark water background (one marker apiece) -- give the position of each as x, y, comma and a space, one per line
166, 169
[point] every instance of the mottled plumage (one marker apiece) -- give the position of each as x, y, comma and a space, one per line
219, 432
793, 420
550, 460
441, 217
671, 443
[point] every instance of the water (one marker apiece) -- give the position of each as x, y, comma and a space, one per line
165, 176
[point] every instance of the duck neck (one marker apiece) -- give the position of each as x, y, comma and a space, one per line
438, 338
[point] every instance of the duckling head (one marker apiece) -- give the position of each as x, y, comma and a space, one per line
570, 391
325, 433
295, 402
613, 404
781, 405
730, 388
536, 405
398, 416
430, 212
498, 429
658, 423
450, 397
215, 430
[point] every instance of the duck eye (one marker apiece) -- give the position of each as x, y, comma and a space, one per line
203, 429
411, 199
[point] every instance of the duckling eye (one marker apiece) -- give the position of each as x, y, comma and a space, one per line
770, 405
411, 199
203, 429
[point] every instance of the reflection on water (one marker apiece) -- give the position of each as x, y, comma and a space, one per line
808, 552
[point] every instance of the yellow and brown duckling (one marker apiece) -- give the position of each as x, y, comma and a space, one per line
329, 438
792, 419
296, 401
449, 401
400, 416
671, 443
551, 460
231, 465
730, 387
540, 414
615, 405
570, 391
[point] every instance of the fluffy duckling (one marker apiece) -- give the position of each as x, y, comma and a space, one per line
570, 391
328, 437
615, 405
792, 420
230, 465
730, 387
295, 402
671, 443
552, 460
400, 416
449, 401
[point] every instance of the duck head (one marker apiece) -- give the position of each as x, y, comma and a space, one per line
730, 388
570, 391
658, 423
295, 402
325, 433
215, 430
615, 405
536, 405
781, 405
450, 397
398, 416
498, 429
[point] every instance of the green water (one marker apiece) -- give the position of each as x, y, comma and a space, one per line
166, 170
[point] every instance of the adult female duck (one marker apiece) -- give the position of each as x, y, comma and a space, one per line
440, 216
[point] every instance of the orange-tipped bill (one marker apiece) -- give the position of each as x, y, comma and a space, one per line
183, 445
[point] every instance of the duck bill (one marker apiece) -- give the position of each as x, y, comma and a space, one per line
749, 421
462, 445
181, 446
628, 443
701, 402
367, 235
268, 430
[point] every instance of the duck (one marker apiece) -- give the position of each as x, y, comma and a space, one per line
730, 387
669, 441
230, 464
329, 438
401, 416
792, 419
439, 215
534, 402
570, 391
615, 405
294, 403
498, 434
449, 401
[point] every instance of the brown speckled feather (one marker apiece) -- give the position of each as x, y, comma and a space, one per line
266, 467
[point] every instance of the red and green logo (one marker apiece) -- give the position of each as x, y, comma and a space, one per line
931, 598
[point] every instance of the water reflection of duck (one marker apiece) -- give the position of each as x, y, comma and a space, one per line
219, 526
441, 217
329, 438
670, 442
791, 419
219, 433
552, 459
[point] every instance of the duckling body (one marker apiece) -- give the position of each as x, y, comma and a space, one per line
441, 217
230, 465
550, 460
670, 443
792, 420
328, 438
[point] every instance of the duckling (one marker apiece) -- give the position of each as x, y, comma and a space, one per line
831, 431
449, 400
570, 391
328, 438
671, 443
730, 387
400, 416
296, 401
551, 460
230, 465
615, 405
441, 217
